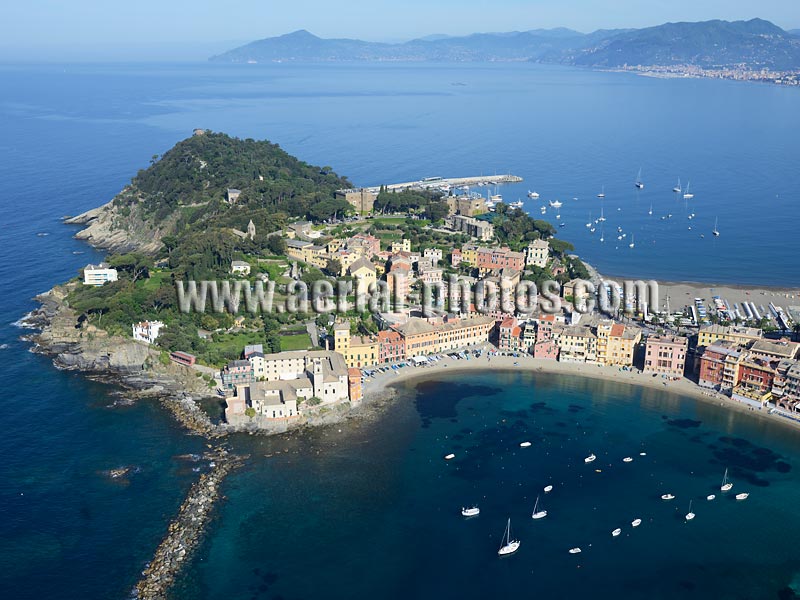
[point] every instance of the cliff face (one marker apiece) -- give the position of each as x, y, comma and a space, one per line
122, 229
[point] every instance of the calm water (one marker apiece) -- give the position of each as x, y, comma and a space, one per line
72, 136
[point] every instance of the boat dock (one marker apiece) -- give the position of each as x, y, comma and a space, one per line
439, 182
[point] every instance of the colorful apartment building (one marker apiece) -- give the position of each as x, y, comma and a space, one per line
392, 346
741, 336
616, 344
665, 355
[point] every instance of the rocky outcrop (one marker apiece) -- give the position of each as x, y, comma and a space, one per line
120, 226
117, 360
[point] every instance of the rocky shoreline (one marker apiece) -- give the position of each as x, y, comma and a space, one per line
117, 361
186, 530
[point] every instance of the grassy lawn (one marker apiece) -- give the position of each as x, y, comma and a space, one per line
295, 342
154, 282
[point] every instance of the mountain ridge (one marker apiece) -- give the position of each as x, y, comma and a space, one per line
756, 43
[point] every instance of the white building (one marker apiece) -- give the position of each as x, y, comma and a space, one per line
147, 331
537, 254
434, 254
241, 267
325, 371
99, 274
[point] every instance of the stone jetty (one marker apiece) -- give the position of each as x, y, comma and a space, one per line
186, 530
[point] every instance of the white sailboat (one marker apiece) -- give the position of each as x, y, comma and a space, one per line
639, 183
726, 483
537, 513
470, 512
636, 522
575, 550
650, 212
517, 204
690, 515
627, 459
533, 195
677, 189
742, 496
602, 217
616, 532
548, 489
555, 204
716, 231
687, 195
632, 244
667, 497
509, 546
602, 193
590, 459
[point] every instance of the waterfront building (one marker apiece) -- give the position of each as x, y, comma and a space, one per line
616, 344
355, 389
98, 275
774, 350
392, 346
576, 344
712, 363
741, 336
482, 230
237, 372
147, 331
665, 355
456, 333
537, 254
420, 337
509, 337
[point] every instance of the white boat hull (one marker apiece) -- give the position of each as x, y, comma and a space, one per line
508, 549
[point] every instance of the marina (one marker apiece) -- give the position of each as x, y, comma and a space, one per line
448, 183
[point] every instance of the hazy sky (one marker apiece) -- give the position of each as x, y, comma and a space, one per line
180, 29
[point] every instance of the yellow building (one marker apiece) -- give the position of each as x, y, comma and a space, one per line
362, 352
403, 245
421, 337
459, 333
616, 344
741, 336
576, 344
365, 274
469, 254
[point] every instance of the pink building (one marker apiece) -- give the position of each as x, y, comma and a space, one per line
456, 257
392, 346
665, 355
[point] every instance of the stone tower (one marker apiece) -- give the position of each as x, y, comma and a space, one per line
251, 229
318, 379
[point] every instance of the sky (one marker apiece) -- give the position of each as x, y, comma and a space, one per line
193, 30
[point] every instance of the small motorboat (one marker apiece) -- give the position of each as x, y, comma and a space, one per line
470, 512
642, 453
710, 497
636, 522
533, 194
574, 550
525, 445
450, 457
590, 459
742, 496
668, 497
616, 532
548, 489
627, 459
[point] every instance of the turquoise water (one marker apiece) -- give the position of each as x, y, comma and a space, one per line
375, 510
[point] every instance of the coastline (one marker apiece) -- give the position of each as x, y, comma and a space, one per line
386, 382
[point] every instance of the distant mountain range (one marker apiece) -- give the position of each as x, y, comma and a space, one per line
756, 44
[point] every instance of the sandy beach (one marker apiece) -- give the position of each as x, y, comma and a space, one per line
379, 385
681, 293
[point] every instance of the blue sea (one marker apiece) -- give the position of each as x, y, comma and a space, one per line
372, 510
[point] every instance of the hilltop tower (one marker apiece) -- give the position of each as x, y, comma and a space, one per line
251, 229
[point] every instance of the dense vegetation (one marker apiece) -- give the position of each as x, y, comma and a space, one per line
427, 203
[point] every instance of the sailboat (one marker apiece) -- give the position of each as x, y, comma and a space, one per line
473, 511
509, 546
650, 212
726, 484
589, 459
602, 193
555, 204
677, 189
639, 184
533, 195
690, 515
602, 217
716, 231
537, 513
631, 245
687, 195
589, 224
